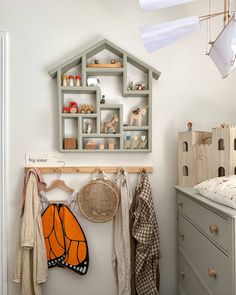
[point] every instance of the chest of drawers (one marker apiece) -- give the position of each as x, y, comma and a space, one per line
206, 245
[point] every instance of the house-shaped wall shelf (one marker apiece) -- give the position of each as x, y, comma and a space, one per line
126, 83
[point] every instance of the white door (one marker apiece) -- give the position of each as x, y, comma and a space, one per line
3, 162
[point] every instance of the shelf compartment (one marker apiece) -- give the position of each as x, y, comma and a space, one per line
107, 113
82, 96
72, 69
135, 140
89, 124
137, 75
95, 142
69, 133
103, 54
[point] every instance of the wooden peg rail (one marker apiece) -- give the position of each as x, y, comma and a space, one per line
92, 169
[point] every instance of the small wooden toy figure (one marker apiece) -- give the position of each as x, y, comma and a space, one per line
89, 127
64, 80
111, 144
131, 84
189, 125
111, 124
90, 145
93, 81
102, 100
86, 109
140, 86
71, 108
137, 115
71, 81
89, 109
77, 80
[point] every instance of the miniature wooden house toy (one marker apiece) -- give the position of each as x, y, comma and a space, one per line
81, 76
203, 155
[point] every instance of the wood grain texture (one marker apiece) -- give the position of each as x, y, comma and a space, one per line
93, 169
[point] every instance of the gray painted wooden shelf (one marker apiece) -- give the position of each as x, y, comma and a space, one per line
78, 115
101, 135
135, 128
136, 93
81, 59
104, 71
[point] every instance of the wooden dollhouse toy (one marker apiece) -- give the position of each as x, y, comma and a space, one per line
203, 155
78, 79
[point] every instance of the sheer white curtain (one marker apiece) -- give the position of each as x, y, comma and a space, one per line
3, 164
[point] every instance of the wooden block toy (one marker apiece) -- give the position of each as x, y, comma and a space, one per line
101, 146
90, 145
111, 146
70, 143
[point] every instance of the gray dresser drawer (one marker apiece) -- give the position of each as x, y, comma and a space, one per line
189, 283
212, 224
211, 263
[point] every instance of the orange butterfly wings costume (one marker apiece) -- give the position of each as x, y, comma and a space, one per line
66, 244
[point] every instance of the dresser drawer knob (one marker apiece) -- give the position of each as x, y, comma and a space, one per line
211, 272
213, 228
182, 274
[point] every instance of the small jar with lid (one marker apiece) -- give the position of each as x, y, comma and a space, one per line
71, 81
77, 80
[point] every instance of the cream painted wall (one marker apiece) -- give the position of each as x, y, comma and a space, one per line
190, 88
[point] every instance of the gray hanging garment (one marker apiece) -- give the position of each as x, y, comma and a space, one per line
121, 236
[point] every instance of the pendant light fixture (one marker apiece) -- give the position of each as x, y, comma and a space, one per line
149, 5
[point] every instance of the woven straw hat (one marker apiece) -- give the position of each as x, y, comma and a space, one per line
99, 200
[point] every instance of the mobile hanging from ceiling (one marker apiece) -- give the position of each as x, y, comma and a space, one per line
222, 50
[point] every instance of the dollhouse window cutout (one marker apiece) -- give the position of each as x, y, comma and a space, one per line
221, 144
185, 146
221, 171
235, 144
185, 170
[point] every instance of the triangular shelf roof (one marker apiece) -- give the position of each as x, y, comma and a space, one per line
104, 44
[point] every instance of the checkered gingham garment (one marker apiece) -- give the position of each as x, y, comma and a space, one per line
146, 233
